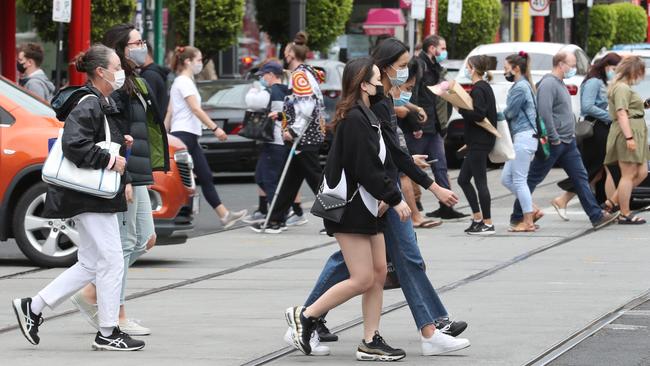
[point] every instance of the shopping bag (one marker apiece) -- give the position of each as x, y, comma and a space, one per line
503, 148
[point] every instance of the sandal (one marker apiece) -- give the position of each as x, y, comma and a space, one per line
561, 211
630, 220
428, 224
610, 206
537, 215
522, 229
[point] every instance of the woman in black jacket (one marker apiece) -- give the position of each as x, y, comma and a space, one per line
96, 219
479, 144
141, 120
356, 171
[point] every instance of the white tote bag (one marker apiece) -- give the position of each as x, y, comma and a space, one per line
503, 149
61, 172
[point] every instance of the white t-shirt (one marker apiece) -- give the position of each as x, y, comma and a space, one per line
183, 119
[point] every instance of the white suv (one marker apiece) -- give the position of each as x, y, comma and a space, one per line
541, 54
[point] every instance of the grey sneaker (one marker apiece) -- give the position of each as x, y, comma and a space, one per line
88, 310
607, 219
254, 218
232, 218
296, 220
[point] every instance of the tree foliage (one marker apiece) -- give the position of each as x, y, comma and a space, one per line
325, 20
479, 24
631, 23
105, 14
613, 24
218, 22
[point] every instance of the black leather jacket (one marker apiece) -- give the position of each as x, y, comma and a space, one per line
83, 128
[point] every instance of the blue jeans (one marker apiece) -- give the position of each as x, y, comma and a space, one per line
515, 172
568, 156
431, 144
269, 167
402, 248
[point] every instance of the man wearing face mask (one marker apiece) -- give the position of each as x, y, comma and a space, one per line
33, 78
434, 51
554, 107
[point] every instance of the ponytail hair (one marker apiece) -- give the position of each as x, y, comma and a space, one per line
96, 56
522, 61
481, 65
181, 54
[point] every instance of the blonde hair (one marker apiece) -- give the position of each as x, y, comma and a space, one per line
630, 69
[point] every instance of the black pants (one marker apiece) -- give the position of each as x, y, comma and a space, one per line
201, 167
475, 166
304, 166
593, 152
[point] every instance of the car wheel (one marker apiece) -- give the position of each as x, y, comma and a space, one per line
46, 242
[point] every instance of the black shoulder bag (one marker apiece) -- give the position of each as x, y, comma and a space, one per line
258, 125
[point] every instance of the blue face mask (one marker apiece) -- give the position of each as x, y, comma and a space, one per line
401, 76
467, 73
404, 99
264, 82
611, 74
571, 73
442, 56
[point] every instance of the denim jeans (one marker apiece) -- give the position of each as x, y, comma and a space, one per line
568, 156
402, 247
269, 167
433, 145
515, 172
136, 228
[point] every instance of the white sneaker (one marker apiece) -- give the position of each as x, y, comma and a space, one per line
88, 310
317, 349
441, 343
133, 327
231, 218
254, 218
296, 220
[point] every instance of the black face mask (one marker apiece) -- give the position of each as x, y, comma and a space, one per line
509, 77
379, 95
21, 68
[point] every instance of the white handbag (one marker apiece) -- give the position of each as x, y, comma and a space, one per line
61, 172
503, 149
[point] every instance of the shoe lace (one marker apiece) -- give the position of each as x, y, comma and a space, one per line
379, 339
322, 326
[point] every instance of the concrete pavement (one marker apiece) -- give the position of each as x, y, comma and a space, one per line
219, 300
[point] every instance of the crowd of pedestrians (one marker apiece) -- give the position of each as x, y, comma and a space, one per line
387, 130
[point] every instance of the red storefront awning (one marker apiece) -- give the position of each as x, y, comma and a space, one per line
383, 21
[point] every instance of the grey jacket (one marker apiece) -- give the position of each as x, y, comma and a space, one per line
39, 84
554, 106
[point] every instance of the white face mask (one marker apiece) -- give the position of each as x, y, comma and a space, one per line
197, 68
119, 77
138, 55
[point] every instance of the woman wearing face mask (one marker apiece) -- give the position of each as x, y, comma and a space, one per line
520, 113
593, 107
627, 142
99, 253
356, 171
185, 119
142, 121
479, 144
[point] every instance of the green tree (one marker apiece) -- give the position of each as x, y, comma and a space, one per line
479, 24
218, 22
325, 20
602, 28
631, 23
105, 14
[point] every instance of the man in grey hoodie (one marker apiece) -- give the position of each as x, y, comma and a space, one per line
554, 108
34, 79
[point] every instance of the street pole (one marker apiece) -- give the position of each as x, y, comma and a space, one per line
192, 20
411, 32
59, 54
587, 30
159, 50
297, 17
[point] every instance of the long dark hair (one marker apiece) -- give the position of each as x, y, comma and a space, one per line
522, 61
387, 53
117, 38
597, 70
355, 72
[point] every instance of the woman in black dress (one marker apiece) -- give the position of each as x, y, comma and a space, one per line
356, 171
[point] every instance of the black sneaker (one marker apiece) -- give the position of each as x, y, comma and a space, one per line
378, 350
482, 229
323, 231
435, 213
324, 333
418, 204
451, 214
473, 225
271, 228
450, 327
28, 321
117, 341
302, 328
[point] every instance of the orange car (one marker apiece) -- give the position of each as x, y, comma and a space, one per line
26, 124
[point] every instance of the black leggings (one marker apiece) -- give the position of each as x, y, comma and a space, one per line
304, 166
201, 167
475, 166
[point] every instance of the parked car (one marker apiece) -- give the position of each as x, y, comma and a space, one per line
541, 64
26, 125
644, 53
452, 67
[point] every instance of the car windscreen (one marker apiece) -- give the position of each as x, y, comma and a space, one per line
230, 96
25, 100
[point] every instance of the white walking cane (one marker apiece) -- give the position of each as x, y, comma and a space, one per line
292, 152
